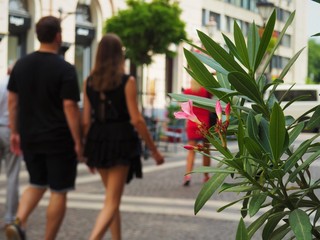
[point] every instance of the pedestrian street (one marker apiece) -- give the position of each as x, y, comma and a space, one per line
155, 207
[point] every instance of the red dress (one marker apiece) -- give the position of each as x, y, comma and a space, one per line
202, 114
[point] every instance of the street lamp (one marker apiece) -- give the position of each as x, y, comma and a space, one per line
264, 8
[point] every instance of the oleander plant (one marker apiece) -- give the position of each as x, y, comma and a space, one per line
269, 174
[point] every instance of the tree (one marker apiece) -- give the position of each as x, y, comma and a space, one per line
314, 61
147, 28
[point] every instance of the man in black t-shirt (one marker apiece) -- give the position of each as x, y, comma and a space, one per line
45, 127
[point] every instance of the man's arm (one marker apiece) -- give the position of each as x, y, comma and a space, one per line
72, 113
13, 120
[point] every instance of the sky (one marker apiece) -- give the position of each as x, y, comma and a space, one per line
313, 18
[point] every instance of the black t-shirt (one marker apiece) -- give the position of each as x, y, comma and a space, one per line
42, 81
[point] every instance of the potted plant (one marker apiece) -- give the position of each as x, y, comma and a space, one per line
267, 171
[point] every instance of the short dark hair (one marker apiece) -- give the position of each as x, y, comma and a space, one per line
47, 29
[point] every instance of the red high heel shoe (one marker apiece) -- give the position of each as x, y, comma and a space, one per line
186, 180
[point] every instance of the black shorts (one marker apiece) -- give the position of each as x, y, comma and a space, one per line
56, 171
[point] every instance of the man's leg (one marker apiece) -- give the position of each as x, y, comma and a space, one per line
13, 163
29, 200
55, 214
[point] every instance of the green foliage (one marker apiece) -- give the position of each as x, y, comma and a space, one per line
147, 28
268, 170
314, 61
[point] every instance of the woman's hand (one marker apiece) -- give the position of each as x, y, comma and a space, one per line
158, 157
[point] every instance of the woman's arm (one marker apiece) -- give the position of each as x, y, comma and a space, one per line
138, 121
86, 114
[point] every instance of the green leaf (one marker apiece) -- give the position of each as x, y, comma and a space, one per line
295, 132
240, 189
204, 77
277, 173
246, 86
242, 233
300, 224
304, 165
205, 169
258, 223
197, 101
208, 189
241, 45
211, 63
253, 148
264, 136
244, 209
277, 131
232, 48
253, 44
219, 54
316, 216
255, 203
230, 204
240, 137
280, 232
272, 223
301, 150
289, 64
314, 120
289, 21
216, 143
265, 39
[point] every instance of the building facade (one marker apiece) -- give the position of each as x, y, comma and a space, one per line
82, 23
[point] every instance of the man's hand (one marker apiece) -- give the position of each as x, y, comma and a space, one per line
15, 144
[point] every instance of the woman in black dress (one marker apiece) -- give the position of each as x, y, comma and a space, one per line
112, 123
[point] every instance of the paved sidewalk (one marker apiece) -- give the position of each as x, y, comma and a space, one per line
156, 207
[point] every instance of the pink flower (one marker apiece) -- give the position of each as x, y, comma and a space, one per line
227, 112
187, 113
219, 111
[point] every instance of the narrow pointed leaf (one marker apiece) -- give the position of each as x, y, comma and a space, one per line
304, 165
298, 153
253, 44
253, 148
255, 203
289, 64
219, 54
241, 45
232, 48
204, 169
300, 224
204, 77
211, 63
258, 223
280, 232
272, 223
242, 233
208, 189
277, 131
246, 86
294, 133
289, 21
265, 39
314, 120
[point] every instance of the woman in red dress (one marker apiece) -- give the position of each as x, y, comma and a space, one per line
193, 134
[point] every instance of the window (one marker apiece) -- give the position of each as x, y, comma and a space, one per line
208, 16
309, 95
279, 62
286, 41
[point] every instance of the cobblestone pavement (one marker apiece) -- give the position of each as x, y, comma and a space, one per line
156, 207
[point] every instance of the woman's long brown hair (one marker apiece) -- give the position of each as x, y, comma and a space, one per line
109, 66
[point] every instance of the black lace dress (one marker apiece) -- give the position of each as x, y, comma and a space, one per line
112, 140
